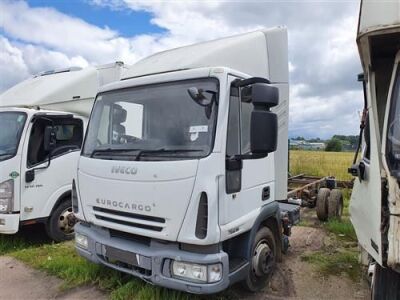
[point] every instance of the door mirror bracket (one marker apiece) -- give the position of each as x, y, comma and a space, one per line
357, 170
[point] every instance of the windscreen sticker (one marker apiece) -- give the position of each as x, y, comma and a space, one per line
195, 130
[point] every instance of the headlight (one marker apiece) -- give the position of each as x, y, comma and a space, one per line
196, 272
6, 196
81, 240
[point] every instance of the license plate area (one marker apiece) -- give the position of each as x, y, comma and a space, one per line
115, 255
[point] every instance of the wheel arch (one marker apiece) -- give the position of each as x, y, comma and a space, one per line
269, 217
63, 197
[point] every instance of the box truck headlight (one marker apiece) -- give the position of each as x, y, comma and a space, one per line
81, 241
6, 196
196, 272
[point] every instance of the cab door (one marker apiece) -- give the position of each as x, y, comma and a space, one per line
391, 158
249, 182
44, 181
365, 204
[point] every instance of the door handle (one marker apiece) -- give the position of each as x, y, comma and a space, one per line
266, 193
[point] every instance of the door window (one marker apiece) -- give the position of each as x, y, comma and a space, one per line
69, 134
238, 139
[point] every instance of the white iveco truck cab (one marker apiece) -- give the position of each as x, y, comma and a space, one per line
375, 201
42, 123
183, 162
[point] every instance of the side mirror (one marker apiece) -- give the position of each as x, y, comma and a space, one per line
261, 95
50, 140
264, 123
263, 133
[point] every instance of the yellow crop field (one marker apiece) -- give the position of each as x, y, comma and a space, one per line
320, 163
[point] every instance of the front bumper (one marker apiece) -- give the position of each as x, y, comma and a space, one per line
152, 259
9, 223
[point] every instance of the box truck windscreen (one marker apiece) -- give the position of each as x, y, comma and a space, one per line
393, 142
168, 121
11, 125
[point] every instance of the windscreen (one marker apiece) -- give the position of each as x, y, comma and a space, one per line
393, 136
11, 127
154, 122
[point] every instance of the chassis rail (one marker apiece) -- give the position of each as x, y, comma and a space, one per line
305, 188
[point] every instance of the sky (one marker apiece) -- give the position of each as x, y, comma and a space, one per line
325, 97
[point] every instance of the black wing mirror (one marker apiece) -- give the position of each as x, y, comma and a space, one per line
264, 123
50, 140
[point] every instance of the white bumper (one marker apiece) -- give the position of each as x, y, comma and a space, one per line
9, 223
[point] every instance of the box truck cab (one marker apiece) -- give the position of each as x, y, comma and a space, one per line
375, 200
42, 124
183, 162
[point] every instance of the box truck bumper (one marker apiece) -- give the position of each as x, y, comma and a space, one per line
9, 223
150, 260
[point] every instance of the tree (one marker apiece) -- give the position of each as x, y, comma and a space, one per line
334, 145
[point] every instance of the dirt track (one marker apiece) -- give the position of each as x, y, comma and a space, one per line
294, 278
19, 282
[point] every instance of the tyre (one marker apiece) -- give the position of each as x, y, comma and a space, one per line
263, 260
335, 204
60, 225
385, 284
322, 204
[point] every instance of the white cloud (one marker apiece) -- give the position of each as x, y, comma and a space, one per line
323, 55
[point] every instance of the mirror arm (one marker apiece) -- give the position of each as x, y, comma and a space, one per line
243, 82
45, 167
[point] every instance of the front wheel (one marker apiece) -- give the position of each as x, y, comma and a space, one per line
263, 260
60, 226
385, 284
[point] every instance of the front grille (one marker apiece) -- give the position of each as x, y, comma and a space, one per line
129, 215
144, 240
130, 219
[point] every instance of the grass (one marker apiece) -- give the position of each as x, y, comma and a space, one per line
319, 163
340, 256
31, 247
31, 236
342, 228
337, 262
62, 261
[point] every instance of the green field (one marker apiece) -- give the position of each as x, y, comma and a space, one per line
60, 259
319, 163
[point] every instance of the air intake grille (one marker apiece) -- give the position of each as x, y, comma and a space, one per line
129, 219
202, 217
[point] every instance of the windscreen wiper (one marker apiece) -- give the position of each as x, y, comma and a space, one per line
163, 150
110, 150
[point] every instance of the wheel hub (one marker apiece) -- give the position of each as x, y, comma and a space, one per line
66, 221
263, 259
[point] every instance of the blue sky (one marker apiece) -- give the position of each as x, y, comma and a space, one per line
325, 98
127, 22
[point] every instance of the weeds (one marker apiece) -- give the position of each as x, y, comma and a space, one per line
338, 262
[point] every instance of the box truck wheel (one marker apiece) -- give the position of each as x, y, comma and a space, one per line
60, 226
385, 284
263, 260
322, 203
335, 204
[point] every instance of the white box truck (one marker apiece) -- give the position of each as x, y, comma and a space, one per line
183, 163
375, 200
42, 124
